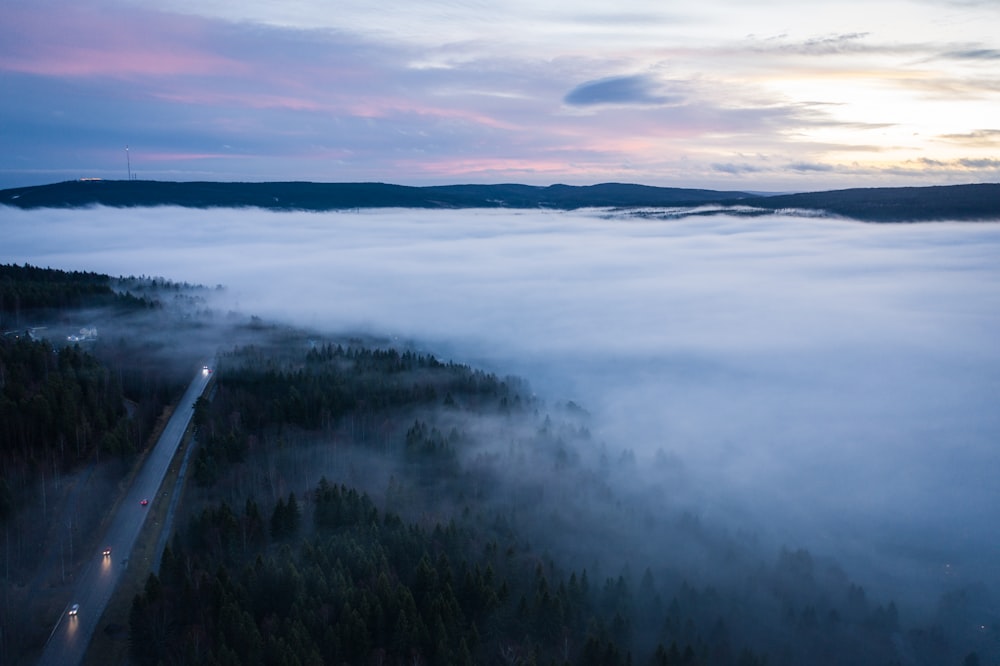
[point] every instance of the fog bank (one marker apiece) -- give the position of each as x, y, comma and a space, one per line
827, 384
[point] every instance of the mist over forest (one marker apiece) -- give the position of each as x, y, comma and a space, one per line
769, 383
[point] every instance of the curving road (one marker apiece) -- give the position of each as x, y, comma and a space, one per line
71, 635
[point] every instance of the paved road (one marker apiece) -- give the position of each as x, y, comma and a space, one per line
71, 635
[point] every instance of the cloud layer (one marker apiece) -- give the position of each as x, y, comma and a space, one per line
825, 384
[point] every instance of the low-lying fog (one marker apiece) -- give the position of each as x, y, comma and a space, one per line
827, 384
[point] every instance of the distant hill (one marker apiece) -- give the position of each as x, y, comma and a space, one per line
340, 196
956, 202
898, 204
568, 197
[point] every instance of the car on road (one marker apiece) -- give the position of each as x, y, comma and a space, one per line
205, 370
144, 501
107, 551
73, 610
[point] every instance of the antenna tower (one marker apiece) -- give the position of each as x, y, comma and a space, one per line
128, 161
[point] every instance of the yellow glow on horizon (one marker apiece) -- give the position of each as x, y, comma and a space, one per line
883, 115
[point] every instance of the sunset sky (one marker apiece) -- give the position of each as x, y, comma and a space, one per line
770, 95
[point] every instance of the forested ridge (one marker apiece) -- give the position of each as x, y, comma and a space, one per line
420, 552
341, 196
977, 201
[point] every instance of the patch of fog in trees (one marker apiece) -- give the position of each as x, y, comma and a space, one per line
813, 383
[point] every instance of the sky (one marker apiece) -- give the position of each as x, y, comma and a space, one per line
825, 384
770, 95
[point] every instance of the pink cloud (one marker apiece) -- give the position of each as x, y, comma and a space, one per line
370, 107
248, 99
482, 166
191, 61
82, 42
180, 157
373, 107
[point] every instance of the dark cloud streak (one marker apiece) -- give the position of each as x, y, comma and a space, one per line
974, 54
619, 90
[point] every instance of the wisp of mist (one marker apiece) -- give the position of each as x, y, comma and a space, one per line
823, 383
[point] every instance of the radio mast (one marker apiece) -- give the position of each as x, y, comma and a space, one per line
128, 161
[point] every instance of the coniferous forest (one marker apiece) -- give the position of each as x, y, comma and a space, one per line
356, 502
60, 403
77, 410
369, 516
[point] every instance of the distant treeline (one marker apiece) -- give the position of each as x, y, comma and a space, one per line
890, 204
